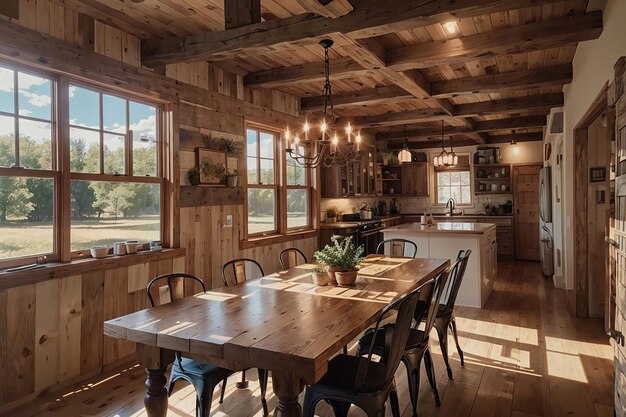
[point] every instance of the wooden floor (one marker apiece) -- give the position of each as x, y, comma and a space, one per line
525, 357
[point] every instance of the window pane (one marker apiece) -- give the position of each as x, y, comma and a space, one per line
251, 142
443, 178
7, 141
455, 178
296, 173
84, 151
114, 114
7, 89
253, 177
267, 171
35, 144
267, 145
26, 216
84, 107
114, 154
443, 194
465, 178
35, 96
107, 212
455, 192
144, 158
466, 195
297, 208
261, 210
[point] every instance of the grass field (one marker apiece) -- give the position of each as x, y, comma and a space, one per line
22, 239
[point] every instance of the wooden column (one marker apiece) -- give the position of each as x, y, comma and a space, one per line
239, 13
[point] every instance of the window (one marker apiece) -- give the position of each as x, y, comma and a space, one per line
114, 174
115, 190
454, 184
278, 188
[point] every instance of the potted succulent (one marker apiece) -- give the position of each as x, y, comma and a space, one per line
341, 259
319, 276
331, 214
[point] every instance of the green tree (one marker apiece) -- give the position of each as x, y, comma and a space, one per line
14, 194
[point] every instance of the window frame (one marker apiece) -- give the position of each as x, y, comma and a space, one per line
61, 172
468, 168
282, 232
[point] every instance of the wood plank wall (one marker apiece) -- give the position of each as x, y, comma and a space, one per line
51, 332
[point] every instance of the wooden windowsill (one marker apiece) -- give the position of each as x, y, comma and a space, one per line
270, 240
80, 266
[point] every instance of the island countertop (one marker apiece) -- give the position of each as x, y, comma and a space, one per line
444, 227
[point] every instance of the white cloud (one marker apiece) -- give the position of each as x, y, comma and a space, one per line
7, 125
25, 112
26, 81
37, 100
72, 91
145, 127
6, 80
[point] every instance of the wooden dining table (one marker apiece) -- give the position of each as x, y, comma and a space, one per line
281, 322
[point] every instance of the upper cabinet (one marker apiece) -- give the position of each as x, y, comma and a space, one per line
354, 179
415, 179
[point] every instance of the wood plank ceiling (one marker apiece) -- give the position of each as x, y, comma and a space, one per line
490, 69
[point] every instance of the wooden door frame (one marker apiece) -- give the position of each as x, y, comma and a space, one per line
513, 188
579, 296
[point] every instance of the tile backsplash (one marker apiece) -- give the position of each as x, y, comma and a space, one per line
411, 205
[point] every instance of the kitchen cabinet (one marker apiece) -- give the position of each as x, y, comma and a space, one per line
414, 177
354, 179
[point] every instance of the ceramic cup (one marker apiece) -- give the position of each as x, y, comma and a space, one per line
132, 246
119, 248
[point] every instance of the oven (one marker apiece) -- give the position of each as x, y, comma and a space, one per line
370, 235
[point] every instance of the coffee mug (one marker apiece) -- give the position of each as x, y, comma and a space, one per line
119, 248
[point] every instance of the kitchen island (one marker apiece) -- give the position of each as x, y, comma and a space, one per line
445, 240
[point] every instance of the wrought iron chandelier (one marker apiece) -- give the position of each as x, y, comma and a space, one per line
323, 145
445, 158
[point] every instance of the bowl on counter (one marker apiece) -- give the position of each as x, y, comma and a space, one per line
132, 246
99, 251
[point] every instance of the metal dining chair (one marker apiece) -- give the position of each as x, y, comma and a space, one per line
236, 272
360, 381
204, 377
445, 313
291, 257
398, 248
417, 347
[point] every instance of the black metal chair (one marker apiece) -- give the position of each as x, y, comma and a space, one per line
398, 248
360, 381
235, 272
417, 347
291, 257
202, 376
445, 313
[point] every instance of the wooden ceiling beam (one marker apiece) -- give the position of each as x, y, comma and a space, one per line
540, 102
341, 68
458, 142
502, 82
519, 137
390, 119
413, 134
334, 8
511, 123
370, 18
378, 95
541, 35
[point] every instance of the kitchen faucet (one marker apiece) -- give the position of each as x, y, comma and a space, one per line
451, 203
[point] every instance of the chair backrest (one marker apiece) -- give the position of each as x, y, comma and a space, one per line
398, 248
396, 336
174, 290
240, 270
291, 257
455, 279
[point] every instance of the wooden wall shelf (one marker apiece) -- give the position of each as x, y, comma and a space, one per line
208, 195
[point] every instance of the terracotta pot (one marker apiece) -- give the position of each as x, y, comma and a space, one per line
346, 277
320, 278
331, 270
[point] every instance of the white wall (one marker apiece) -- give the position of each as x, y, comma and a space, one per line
593, 67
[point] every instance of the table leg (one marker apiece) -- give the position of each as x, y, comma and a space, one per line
287, 386
155, 400
155, 360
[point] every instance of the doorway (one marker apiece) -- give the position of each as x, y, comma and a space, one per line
592, 202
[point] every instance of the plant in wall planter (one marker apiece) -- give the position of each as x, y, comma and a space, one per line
341, 259
193, 175
232, 179
214, 171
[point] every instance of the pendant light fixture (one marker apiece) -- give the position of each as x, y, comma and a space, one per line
445, 158
513, 143
404, 155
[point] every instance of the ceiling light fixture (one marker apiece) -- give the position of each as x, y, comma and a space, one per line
405, 154
450, 27
324, 147
445, 158
513, 143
